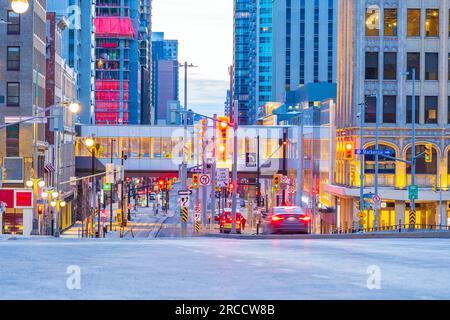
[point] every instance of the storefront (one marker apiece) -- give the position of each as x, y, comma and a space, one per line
17, 217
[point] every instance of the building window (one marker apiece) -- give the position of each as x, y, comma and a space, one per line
372, 21
413, 62
13, 26
448, 112
390, 22
13, 59
431, 66
422, 167
413, 22
389, 109
390, 66
409, 109
431, 110
12, 141
13, 94
370, 114
371, 65
432, 23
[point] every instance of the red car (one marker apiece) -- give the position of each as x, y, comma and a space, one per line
226, 221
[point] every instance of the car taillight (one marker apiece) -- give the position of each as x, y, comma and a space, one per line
230, 220
277, 218
305, 218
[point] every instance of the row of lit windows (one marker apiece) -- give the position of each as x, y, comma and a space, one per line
414, 22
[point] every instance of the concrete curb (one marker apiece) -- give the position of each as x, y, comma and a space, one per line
417, 235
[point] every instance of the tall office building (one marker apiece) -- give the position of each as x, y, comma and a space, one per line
304, 44
244, 54
379, 42
165, 76
145, 45
280, 45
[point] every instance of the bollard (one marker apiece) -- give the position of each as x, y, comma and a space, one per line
257, 229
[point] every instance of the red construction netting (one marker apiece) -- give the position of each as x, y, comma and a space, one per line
110, 117
114, 27
110, 95
110, 85
109, 106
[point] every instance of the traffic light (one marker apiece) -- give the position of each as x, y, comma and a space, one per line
276, 182
41, 209
175, 179
231, 187
107, 187
349, 150
223, 126
428, 153
195, 182
161, 184
204, 129
169, 184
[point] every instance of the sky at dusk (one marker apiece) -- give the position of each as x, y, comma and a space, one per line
204, 29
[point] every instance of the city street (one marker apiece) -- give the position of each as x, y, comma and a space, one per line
199, 268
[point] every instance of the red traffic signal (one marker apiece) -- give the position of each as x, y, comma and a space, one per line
40, 209
349, 150
161, 184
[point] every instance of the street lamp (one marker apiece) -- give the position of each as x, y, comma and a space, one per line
74, 107
20, 6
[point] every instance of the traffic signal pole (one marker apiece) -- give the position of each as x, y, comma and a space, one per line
234, 178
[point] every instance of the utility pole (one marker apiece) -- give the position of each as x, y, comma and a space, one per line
413, 140
361, 160
111, 189
213, 173
284, 203
235, 152
300, 162
377, 138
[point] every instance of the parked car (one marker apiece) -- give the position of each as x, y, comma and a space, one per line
287, 220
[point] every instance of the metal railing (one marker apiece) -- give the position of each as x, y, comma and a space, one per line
394, 228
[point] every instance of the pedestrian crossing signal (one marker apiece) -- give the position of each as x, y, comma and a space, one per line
428, 153
169, 184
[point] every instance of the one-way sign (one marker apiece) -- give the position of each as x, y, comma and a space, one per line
185, 192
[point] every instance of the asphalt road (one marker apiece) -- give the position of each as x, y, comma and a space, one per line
209, 268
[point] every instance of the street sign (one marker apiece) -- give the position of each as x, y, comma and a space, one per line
109, 173
217, 194
376, 198
185, 192
205, 179
184, 201
373, 152
223, 177
413, 192
250, 160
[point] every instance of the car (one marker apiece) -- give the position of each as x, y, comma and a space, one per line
287, 220
226, 221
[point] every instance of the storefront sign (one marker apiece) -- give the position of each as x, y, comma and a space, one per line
23, 199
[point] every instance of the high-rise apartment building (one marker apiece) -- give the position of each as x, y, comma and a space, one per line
380, 44
165, 76
145, 46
